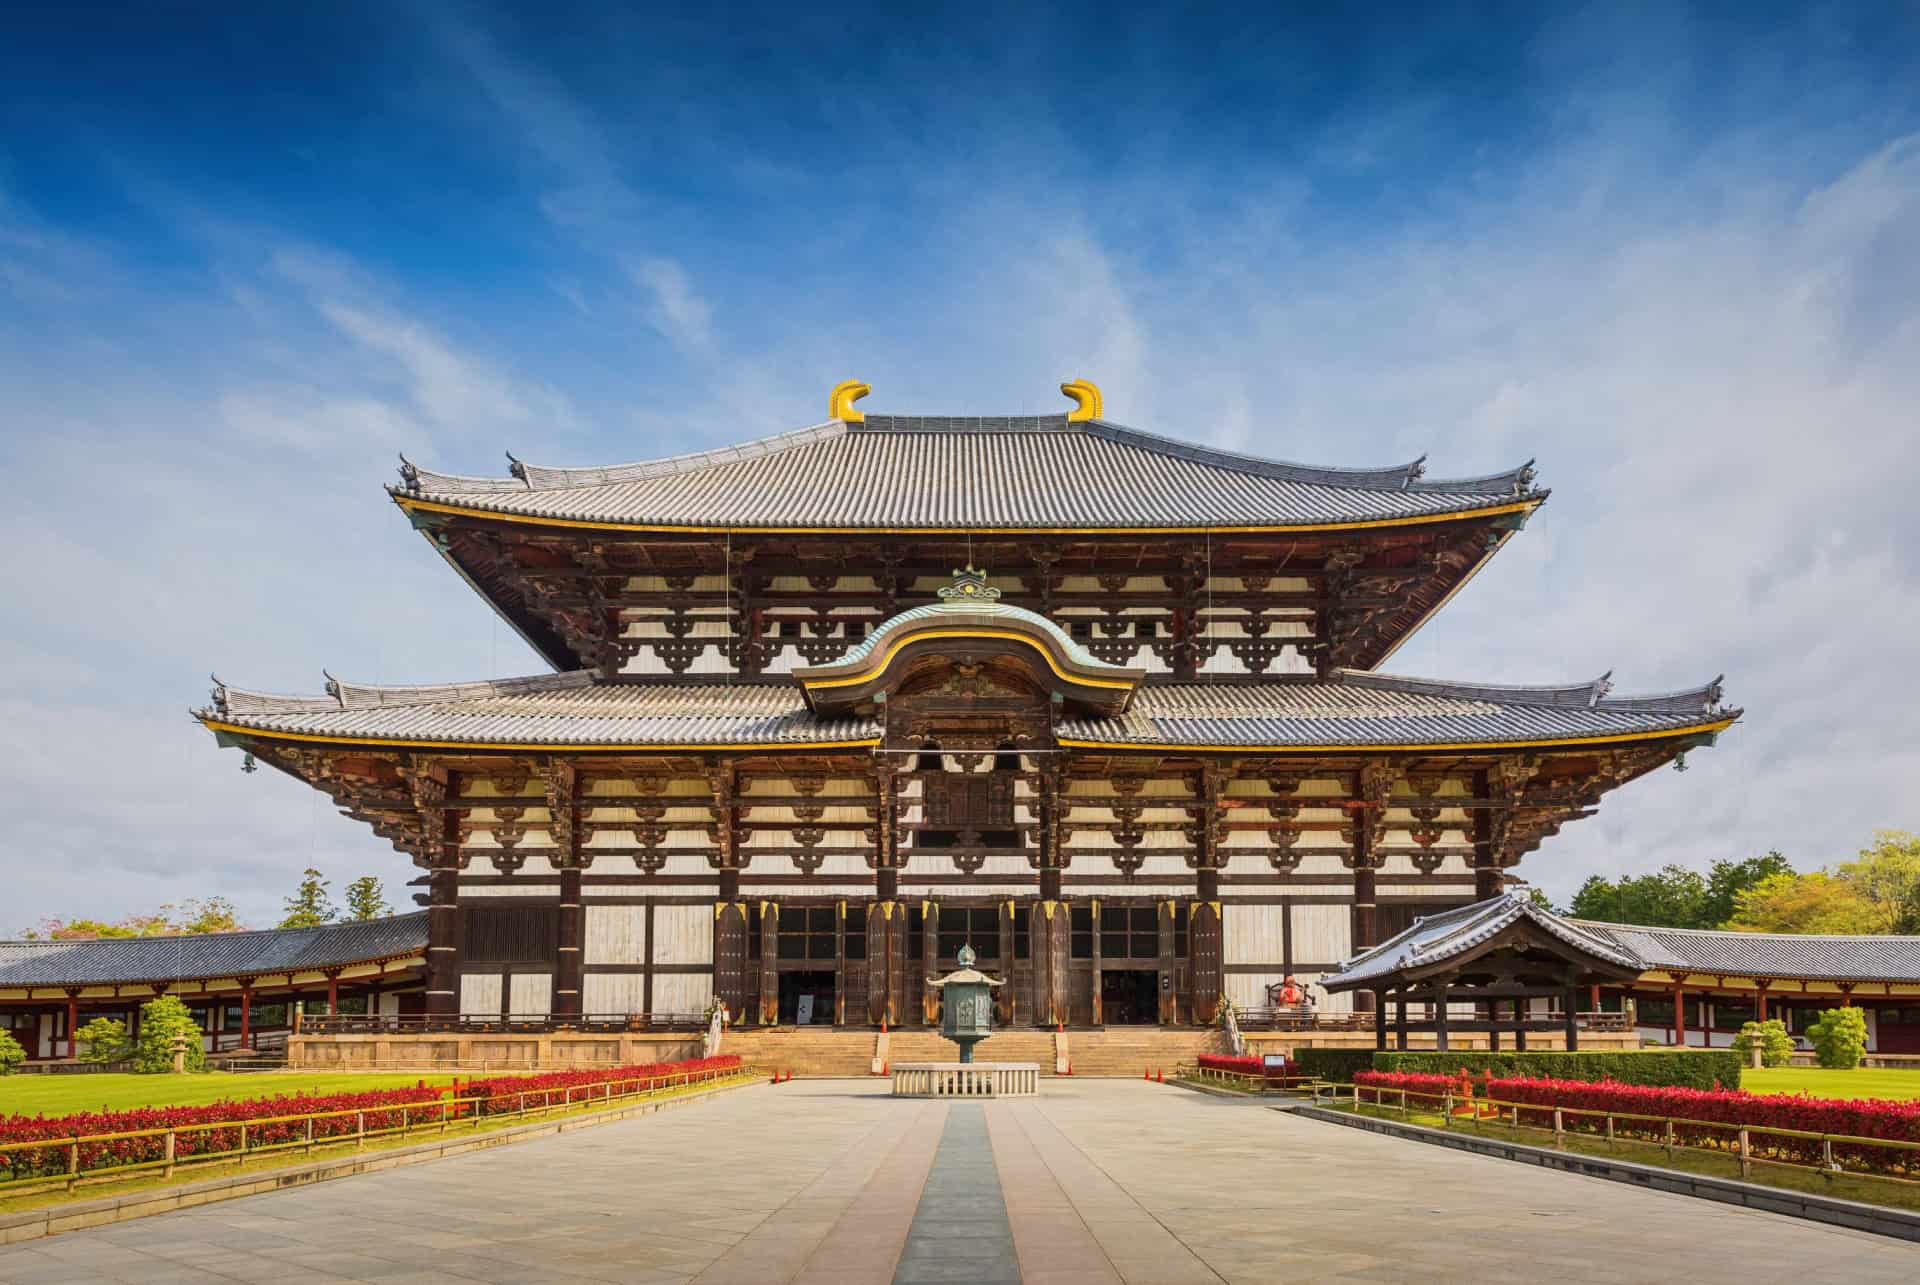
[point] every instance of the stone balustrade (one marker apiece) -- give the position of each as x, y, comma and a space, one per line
965, 1079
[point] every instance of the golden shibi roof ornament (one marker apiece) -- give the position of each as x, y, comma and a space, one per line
840, 401
1086, 399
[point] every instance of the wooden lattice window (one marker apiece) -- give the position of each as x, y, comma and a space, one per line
971, 801
511, 935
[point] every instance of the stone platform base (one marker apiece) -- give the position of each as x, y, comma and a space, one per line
502, 1052
965, 1079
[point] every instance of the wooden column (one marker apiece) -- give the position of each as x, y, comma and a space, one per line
1493, 1025
1049, 939
1169, 937
1572, 1025
1047, 806
1679, 1015
929, 963
1004, 997
1400, 1021
73, 1023
430, 788
1487, 880
1440, 1017
333, 992
246, 1012
840, 962
1379, 1020
568, 970
1095, 1008
1520, 1016
1760, 986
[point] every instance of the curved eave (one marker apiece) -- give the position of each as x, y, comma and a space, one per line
416, 504
1362, 747
222, 726
822, 683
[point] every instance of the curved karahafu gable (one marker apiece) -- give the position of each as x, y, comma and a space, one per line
969, 619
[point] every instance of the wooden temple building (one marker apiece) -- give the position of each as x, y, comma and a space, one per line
827, 706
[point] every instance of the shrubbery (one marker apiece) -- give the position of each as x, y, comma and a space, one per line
510, 1092
159, 1019
1839, 1038
104, 1039
1690, 1068
11, 1054
384, 1107
1860, 1119
1776, 1046
1338, 1065
1228, 1062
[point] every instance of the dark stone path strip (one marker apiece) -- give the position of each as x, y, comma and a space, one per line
960, 1230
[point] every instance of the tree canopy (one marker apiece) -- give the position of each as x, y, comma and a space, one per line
1878, 892
195, 915
366, 899
309, 906
1674, 896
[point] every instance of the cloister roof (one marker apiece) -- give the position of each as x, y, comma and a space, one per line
105, 960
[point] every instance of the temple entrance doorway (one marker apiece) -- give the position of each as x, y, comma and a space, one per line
806, 999
1129, 997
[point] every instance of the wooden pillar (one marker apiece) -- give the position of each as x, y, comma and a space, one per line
1594, 998
443, 940
1487, 879
1005, 998
333, 992
568, 970
1400, 1021
769, 963
1572, 1024
1379, 1020
1679, 1015
1760, 999
1493, 1025
1096, 1009
1846, 994
1169, 937
246, 1012
1049, 939
73, 1023
1047, 836
1440, 1018
840, 962
1520, 1025
929, 963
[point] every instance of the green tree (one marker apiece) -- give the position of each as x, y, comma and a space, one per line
1810, 903
1776, 1046
1598, 898
104, 1040
1839, 1038
1540, 900
309, 906
1671, 897
11, 1054
212, 915
159, 1019
366, 899
1888, 875
1726, 880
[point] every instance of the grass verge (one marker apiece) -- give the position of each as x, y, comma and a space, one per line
65, 1094
1865, 1189
334, 1147
1893, 1084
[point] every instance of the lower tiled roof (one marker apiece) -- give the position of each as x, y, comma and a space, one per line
1434, 938
104, 960
1353, 708
1784, 955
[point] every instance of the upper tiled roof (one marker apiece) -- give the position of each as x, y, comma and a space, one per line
946, 472
552, 709
1737, 954
1433, 938
105, 960
1363, 708
1354, 708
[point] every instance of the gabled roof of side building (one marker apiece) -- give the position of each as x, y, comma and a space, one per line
195, 956
1038, 472
1714, 953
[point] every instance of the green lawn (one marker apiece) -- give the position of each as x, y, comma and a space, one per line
1862, 1082
62, 1094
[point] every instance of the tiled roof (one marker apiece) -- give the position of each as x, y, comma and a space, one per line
1455, 932
553, 709
892, 627
105, 960
1362, 708
1736, 954
950, 472
574, 709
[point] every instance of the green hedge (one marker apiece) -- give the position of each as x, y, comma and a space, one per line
1693, 1068
1334, 1064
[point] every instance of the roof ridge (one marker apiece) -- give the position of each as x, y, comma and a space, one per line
1592, 694
538, 477
1741, 934
345, 695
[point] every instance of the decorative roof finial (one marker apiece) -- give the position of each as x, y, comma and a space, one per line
1086, 399
840, 401
409, 475
969, 585
966, 957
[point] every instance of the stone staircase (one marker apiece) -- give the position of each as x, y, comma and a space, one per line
820, 1052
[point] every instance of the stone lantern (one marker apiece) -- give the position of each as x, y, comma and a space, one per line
967, 1004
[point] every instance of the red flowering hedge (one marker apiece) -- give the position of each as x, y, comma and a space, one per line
1227, 1062
1859, 1118
507, 1093
380, 1106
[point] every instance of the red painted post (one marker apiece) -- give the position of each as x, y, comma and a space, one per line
73, 1021
1679, 1015
246, 1015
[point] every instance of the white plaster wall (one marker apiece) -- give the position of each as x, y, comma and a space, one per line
616, 935
531, 995
515, 889
480, 993
1322, 934
682, 992
609, 993
1253, 934
683, 934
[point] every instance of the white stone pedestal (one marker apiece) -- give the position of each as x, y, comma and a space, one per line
965, 1079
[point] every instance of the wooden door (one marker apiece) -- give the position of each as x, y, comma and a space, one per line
1169, 935
1003, 1006
731, 984
1203, 946
769, 961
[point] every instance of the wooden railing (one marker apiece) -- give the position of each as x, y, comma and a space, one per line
1737, 1141
1301, 1017
494, 1024
227, 1141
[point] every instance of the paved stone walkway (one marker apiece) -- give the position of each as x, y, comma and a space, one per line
1094, 1182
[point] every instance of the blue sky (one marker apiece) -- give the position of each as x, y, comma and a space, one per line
1673, 253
